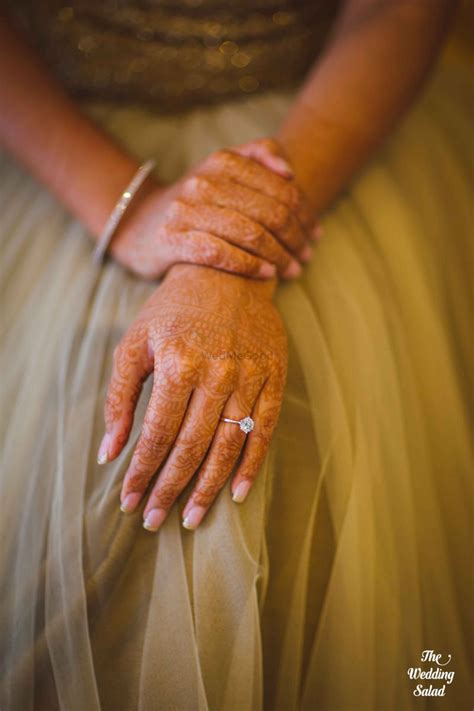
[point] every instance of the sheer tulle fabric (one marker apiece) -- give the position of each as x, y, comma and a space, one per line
350, 556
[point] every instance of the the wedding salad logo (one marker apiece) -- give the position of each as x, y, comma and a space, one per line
437, 672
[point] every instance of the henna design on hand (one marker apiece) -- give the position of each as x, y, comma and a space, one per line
240, 211
217, 347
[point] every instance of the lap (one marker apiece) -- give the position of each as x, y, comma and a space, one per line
373, 432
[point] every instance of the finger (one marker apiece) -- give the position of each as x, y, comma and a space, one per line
189, 449
199, 247
266, 414
131, 366
317, 232
174, 381
248, 172
273, 215
306, 254
223, 454
232, 227
267, 152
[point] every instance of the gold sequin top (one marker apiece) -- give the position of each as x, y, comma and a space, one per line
177, 53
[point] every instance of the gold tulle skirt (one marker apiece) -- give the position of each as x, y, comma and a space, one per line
351, 555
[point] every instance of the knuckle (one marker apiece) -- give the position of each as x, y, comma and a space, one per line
176, 364
276, 368
176, 210
293, 196
234, 442
254, 458
185, 361
196, 185
211, 250
114, 399
166, 492
256, 239
121, 437
248, 263
226, 369
119, 354
181, 371
280, 216
207, 490
152, 441
223, 158
163, 499
192, 243
267, 423
251, 467
136, 482
112, 408
189, 457
251, 376
216, 469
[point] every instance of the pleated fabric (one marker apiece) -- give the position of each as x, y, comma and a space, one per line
351, 555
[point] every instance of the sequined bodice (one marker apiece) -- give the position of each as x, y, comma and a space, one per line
175, 53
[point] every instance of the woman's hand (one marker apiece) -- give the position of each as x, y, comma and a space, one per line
239, 210
217, 348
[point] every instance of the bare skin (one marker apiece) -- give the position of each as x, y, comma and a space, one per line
378, 57
217, 347
87, 171
380, 54
325, 142
239, 211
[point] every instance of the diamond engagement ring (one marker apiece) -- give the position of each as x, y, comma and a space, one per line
246, 425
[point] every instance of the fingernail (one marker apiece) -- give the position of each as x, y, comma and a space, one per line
130, 503
267, 270
154, 519
194, 517
318, 231
241, 491
306, 254
293, 270
285, 169
103, 454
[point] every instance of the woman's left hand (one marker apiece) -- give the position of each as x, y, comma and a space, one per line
217, 348
239, 210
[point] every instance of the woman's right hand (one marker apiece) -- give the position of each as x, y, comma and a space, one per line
239, 211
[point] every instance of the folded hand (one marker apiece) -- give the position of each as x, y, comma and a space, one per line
239, 211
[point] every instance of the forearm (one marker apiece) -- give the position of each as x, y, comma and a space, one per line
380, 53
42, 127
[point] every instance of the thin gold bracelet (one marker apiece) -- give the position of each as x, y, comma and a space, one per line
117, 213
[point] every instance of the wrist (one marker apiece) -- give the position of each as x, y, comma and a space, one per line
116, 176
122, 209
135, 240
221, 279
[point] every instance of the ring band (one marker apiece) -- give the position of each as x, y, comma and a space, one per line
246, 425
